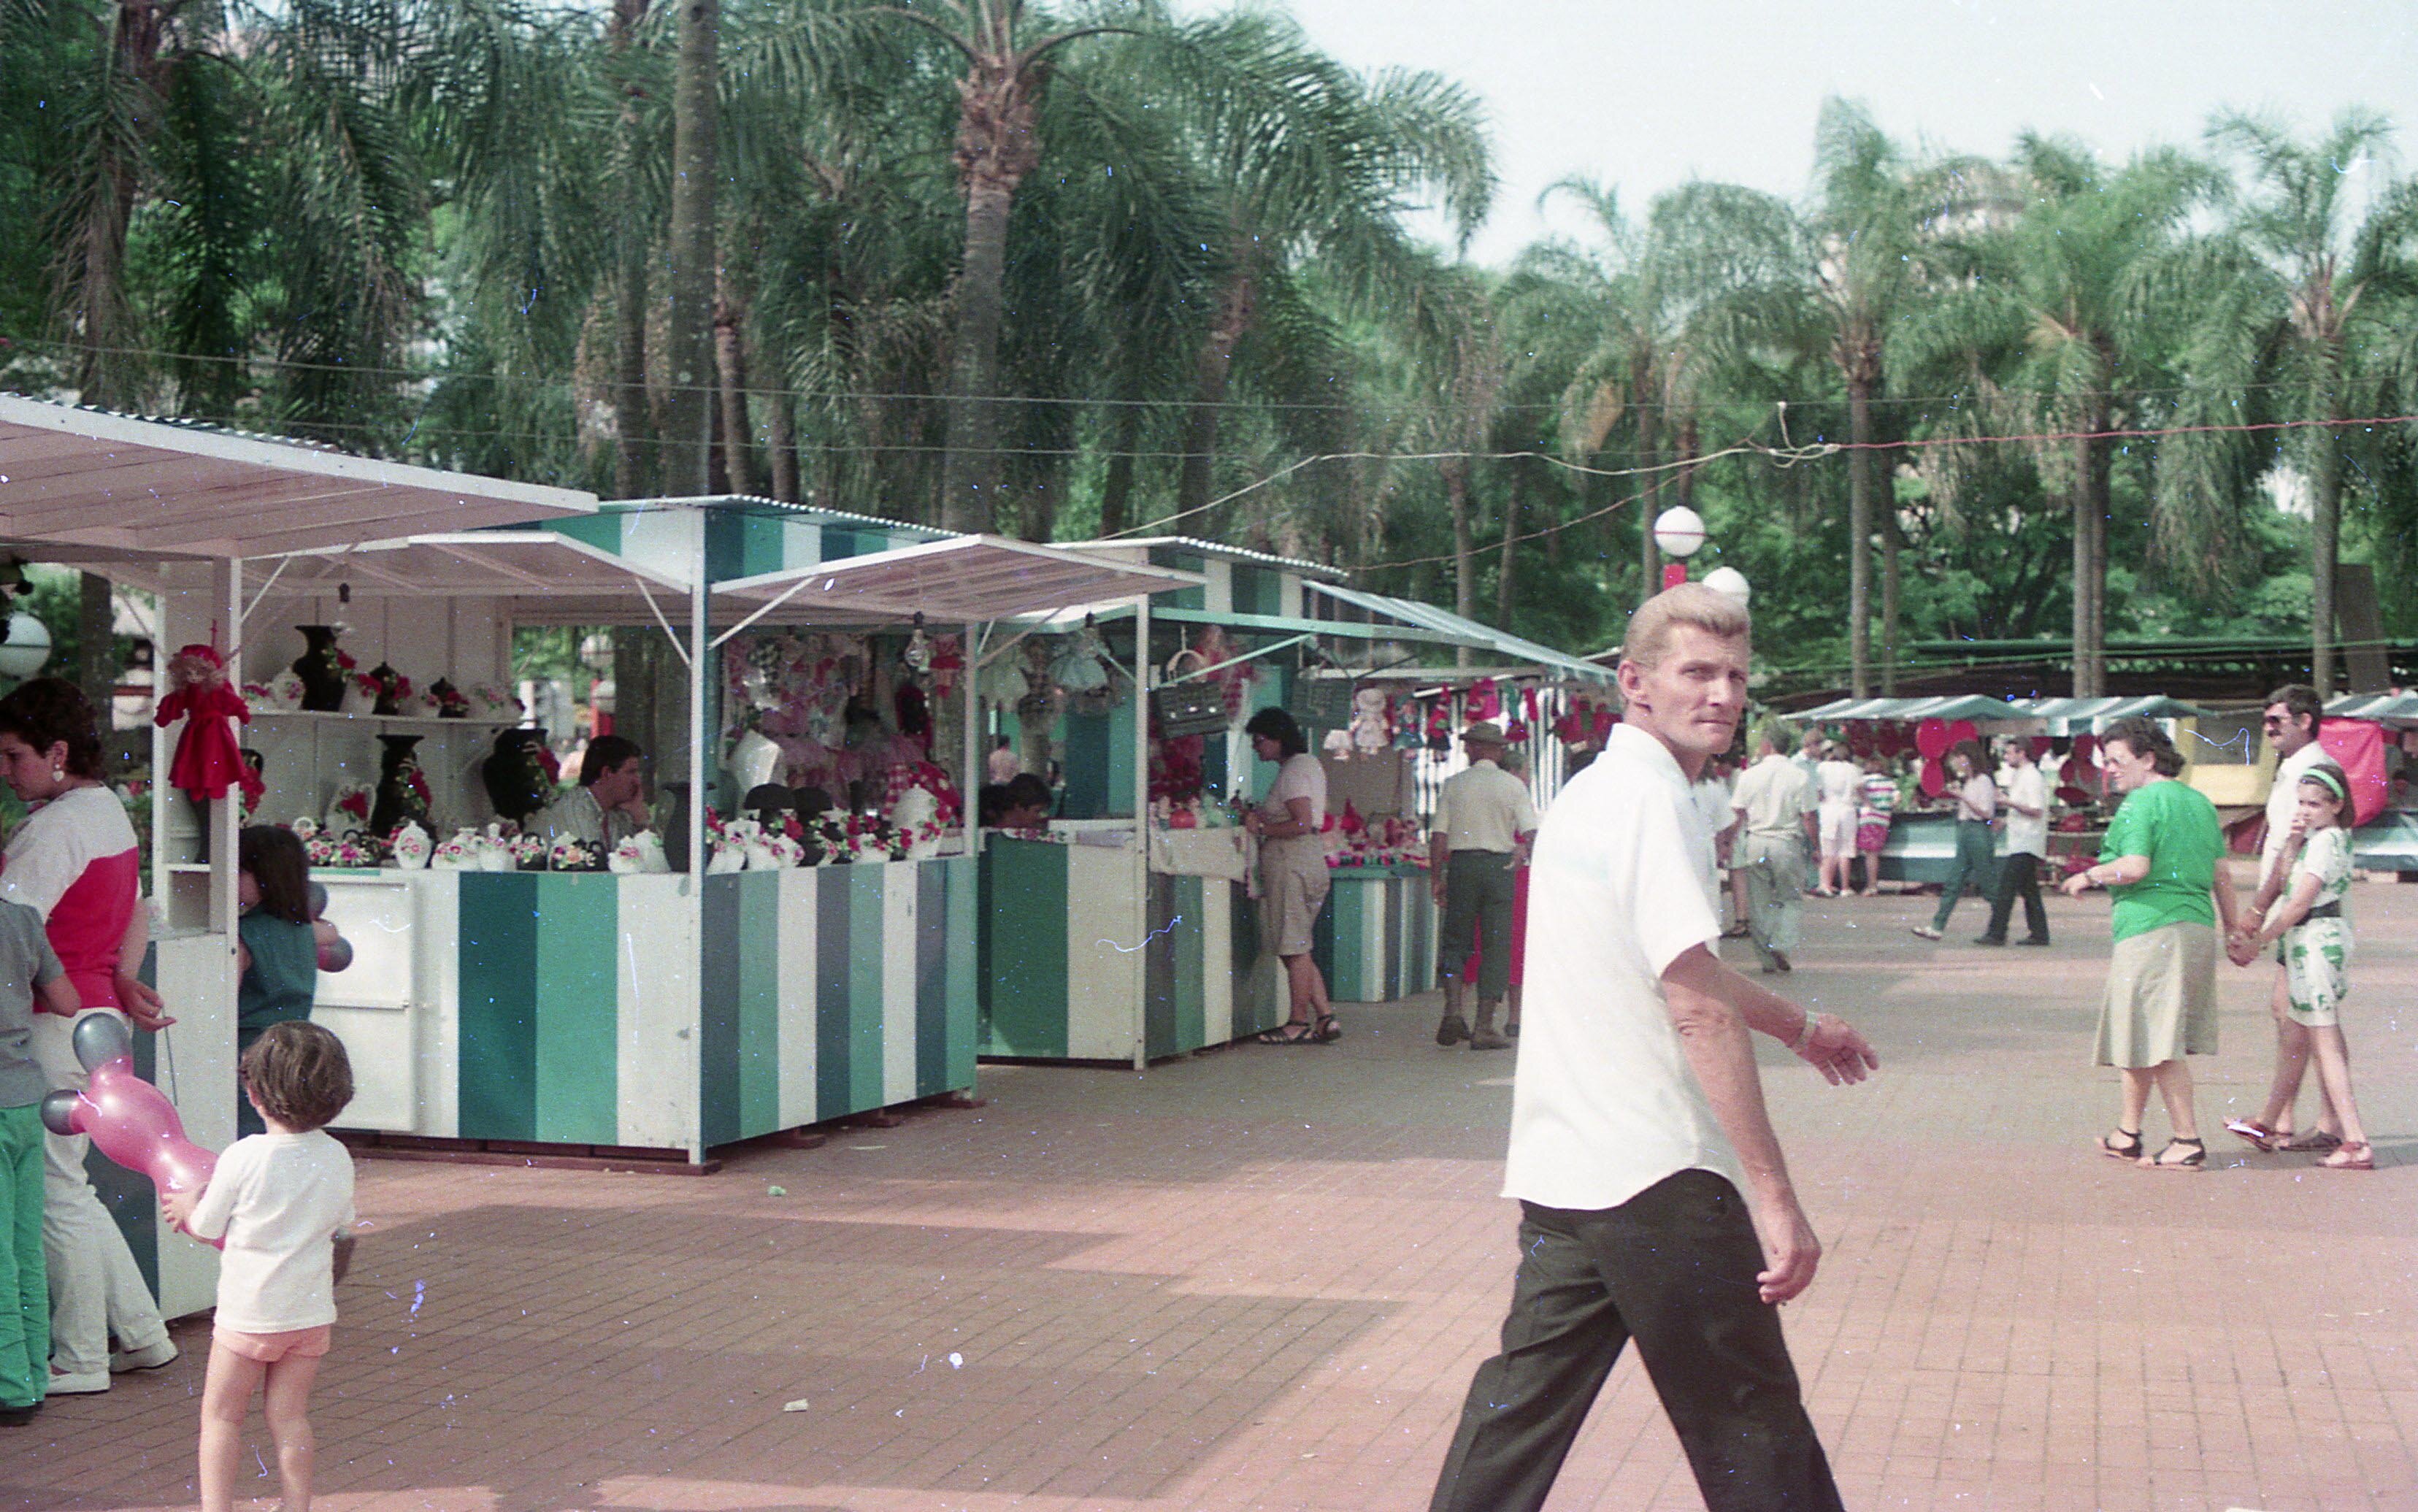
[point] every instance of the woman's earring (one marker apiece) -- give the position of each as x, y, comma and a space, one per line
58, 773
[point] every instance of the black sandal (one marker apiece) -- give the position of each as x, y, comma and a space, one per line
1329, 1030
1290, 1033
2125, 1146
2194, 1161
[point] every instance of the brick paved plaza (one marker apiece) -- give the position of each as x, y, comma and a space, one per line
1260, 1279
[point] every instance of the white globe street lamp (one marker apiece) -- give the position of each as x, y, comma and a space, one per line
26, 647
1730, 581
1680, 531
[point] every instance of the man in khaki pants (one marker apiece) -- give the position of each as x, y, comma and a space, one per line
1483, 822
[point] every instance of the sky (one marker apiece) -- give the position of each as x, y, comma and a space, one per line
1646, 96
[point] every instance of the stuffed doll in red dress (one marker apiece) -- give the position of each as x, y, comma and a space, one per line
209, 758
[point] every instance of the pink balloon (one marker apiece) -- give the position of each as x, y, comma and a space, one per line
1931, 738
337, 954
1963, 730
135, 1125
1934, 776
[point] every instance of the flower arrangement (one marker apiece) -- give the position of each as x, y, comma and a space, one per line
459, 853
494, 702
451, 702
529, 851
570, 854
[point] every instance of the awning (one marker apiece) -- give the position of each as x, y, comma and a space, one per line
2084, 716
89, 487
1950, 707
1410, 612
961, 580
545, 577
2375, 708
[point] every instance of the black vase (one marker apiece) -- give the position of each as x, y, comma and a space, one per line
517, 787
323, 681
396, 800
675, 827
387, 678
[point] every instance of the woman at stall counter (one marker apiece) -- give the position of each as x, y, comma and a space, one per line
2164, 862
74, 861
1293, 872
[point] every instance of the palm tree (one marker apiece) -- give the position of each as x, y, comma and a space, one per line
2322, 303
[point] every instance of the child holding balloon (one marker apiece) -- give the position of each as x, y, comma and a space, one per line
284, 1203
31, 980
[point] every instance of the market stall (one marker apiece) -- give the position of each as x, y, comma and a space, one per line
182, 508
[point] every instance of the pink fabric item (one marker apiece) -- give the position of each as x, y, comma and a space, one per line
295, 1343
2358, 747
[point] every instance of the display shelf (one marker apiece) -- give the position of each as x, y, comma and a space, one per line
419, 722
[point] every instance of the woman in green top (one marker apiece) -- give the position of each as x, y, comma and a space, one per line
277, 945
2162, 860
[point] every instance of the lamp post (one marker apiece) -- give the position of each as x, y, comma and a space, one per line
1731, 581
1681, 533
25, 646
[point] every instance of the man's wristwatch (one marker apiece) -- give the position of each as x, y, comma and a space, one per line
1804, 1036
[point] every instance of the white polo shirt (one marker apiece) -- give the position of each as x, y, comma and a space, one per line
1604, 1103
1775, 795
2281, 800
2026, 834
1483, 807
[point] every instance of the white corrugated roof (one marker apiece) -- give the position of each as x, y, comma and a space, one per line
960, 580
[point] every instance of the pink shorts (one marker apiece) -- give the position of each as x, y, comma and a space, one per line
301, 1343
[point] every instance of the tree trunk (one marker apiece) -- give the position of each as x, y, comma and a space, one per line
1649, 555
996, 147
1116, 494
1464, 546
2090, 553
1514, 507
688, 410
730, 368
1211, 373
1859, 535
97, 645
781, 438
1892, 545
2325, 540
632, 434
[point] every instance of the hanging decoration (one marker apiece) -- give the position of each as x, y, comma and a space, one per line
209, 757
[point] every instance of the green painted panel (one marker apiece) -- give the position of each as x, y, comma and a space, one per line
1258, 590
604, 530
760, 1002
1190, 938
1120, 796
496, 1053
1347, 905
964, 958
1023, 965
578, 1001
867, 944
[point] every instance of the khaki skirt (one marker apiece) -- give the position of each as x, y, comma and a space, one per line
1293, 888
2160, 998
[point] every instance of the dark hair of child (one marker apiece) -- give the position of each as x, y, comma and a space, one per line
279, 869
296, 1073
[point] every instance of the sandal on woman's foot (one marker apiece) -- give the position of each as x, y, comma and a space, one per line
2352, 1154
2311, 1142
1293, 1033
1925, 932
1329, 1030
2125, 1145
2255, 1135
2195, 1156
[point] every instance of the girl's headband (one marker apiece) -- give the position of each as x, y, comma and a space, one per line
2330, 778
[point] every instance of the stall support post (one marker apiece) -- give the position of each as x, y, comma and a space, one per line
226, 814
972, 771
1140, 967
699, 593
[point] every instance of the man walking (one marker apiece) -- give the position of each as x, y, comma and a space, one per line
1483, 822
2290, 723
2026, 801
1655, 1203
1775, 800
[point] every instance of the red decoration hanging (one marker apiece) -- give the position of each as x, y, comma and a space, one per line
209, 758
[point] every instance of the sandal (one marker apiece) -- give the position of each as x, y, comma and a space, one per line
2255, 1135
2126, 1145
2352, 1154
2195, 1158
2311, 1142
1329, 1030
1289, 1033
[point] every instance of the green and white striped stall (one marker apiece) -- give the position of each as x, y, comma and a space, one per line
1376, 941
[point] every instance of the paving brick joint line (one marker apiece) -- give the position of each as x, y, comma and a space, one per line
1260, 1278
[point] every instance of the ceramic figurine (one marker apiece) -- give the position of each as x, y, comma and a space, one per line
411, 847
462, 853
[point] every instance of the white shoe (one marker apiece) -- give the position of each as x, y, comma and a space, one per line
149, 1357
91, 1384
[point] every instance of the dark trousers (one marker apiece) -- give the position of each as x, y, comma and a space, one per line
2018, 873
1674, 1268
1972, 865
1480, 890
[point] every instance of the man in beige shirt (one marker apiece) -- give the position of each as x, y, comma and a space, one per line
1776, 800
1483, 822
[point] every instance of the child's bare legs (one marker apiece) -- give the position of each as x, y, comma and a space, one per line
287, 1407
226, 1396
2332, 1055
2291, 1063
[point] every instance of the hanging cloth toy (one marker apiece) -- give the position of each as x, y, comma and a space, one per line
209, 758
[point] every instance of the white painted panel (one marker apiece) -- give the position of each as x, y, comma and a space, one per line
899, 903
1104, 957
195, 1066
1216, 949
658, 1042
795, 965
437, 1005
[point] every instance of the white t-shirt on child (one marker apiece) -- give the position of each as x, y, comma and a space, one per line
281, 1200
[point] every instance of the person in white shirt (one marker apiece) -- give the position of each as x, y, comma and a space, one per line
284, 1203
1483, 822
1002, 765
1838, 784
2025, 803
2290, 723
1775, 802
1712, 795
609, 805
1655, 1202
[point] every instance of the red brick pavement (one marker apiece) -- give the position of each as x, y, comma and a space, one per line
1260, 1279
